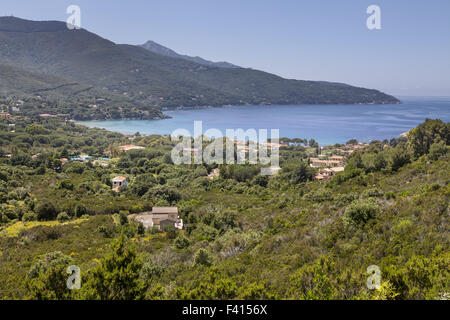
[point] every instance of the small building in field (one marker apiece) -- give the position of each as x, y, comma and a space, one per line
165, 216
160, 218
327, 173
118, 182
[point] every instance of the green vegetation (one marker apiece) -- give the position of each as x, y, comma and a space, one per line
246, 236
46, 94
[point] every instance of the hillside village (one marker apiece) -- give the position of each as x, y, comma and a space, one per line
72, 192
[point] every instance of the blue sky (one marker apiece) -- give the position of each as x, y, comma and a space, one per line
300, 39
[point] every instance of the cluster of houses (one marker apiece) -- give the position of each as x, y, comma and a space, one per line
100, 161
104, 162
350, 148
159, 218
327, 167
331, 165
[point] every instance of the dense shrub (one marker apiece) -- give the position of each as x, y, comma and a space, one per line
438, 150
29, 216
46, 211
63, 217
359, 213
202, 258
80, 210
181, 242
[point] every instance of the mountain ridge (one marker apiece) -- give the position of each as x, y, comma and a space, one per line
154, 80
162, 50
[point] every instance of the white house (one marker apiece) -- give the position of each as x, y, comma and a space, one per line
119, 181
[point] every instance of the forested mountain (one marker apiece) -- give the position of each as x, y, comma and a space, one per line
43, 93
145, 77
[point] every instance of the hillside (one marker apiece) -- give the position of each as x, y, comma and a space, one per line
246, 236
156, 80
160, 49
49, 94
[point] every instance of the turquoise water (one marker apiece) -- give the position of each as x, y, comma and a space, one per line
327, 124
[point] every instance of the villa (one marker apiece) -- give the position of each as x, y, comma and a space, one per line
327, 173
159, 218
130, 147
118, 182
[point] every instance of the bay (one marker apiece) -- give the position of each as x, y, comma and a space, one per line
327, 124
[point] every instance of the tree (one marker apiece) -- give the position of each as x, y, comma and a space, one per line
47, 278
398, 157
163, 193
123, 218
35, 129
302, 173
141, 229
421, 138
62, 217
46, 211
202, 258
181, 242
354, 161
261, 180
80, 210
437, 150
316, 281
359, 213
118, 276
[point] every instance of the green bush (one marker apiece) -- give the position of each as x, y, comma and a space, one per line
123, 218
62, 217
372, 193
438, 150
29, 216
151, 270
80, 210
359, 213
181, 242
46, 211
202, 258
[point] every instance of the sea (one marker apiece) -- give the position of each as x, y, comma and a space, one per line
327, 124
